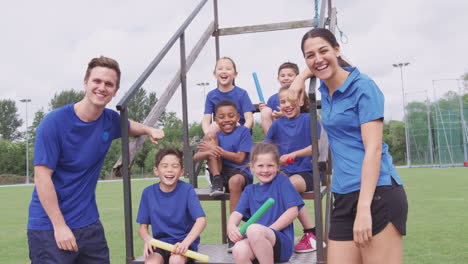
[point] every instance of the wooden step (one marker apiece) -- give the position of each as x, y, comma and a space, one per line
218, 255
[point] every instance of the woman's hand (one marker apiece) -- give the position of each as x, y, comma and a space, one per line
362, 229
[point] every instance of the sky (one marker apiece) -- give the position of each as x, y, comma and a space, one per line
47, 44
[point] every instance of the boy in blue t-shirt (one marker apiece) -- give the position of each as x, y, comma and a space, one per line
172, 209
227, 153
270, 111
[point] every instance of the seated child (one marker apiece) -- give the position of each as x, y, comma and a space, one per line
225, 73
227, 153
291, 133
271, 238
172, 209
287, 72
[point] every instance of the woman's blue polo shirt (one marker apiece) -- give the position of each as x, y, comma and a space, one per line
356, 102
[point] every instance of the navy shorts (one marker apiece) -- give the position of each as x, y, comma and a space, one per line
276, 249
91, 241
308, 178
167, 254
227, 172
389, 205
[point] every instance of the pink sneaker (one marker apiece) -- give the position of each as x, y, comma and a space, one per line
307, 243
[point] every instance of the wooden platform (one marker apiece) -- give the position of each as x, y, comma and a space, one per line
218, 255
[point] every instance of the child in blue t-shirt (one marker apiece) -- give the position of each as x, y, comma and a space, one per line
225, 72
291, 133
271, 238
227, 153
172, 209
270, 111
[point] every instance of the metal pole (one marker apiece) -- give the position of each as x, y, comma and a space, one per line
188, 161
203, 84
437, 123
26, 101
429, 130
216, 28
408, 153
462, 119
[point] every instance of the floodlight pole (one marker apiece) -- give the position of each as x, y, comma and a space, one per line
203, 84
26, 101
408, 154
462, 119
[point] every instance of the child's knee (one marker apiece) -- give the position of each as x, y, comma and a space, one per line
177, 259
241, 249
266, 113
236, 183
210, 137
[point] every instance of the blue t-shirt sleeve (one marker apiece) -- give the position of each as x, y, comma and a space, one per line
143, 216
270, 102
370, 103
242, 206
270, 136
47, 145
246, 103
116, 132
246, 142
291, 197
194, 206
209, 106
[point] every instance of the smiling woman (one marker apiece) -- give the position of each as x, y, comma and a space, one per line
369, 215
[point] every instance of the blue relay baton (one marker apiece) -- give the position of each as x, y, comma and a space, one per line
259, 89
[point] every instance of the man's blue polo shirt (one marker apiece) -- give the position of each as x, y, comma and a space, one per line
356, 102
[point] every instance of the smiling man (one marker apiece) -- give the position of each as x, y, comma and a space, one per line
71, 144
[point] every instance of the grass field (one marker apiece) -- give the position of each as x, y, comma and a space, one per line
437, 224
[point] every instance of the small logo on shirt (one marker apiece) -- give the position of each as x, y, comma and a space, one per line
105, 136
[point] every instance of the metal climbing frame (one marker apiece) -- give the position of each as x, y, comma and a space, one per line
129, 149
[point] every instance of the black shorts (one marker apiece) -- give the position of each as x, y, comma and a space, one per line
92, 246
228, 172
308, 178
167, 254
276, 250
389, 205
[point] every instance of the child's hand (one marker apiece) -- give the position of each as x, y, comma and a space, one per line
147, 250
263, 107
180, 248
234, 234
277, 114
284, 158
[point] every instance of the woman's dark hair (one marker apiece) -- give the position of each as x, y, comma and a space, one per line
326, 35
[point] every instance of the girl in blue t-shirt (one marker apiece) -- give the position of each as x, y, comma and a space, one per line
225, 73
369, 214
271, 238
291, 133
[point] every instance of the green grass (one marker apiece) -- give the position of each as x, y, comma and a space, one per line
437, 222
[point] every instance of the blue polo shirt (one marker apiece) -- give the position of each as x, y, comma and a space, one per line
356, 102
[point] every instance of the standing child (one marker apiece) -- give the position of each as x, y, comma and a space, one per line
291, 133
271, 238
172, 209
225, 72
287, 72
227, 153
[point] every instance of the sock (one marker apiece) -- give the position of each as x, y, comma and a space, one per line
310, 230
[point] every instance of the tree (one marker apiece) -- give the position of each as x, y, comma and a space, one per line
38, 117
12, 155
9, 120
140, 105
65, 97
394, 136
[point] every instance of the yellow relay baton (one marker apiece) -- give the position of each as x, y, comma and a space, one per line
188, 253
